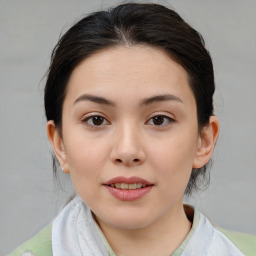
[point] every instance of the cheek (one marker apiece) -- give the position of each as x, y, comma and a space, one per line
174, 160
86, 164
86, 159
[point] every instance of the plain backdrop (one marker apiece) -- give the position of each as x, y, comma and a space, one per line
29, 29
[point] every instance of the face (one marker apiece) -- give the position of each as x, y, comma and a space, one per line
129, 135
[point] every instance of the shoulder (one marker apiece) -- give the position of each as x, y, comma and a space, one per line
38, 245
246, 243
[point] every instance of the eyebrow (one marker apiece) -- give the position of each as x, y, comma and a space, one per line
160, 98
95, 99
147, 101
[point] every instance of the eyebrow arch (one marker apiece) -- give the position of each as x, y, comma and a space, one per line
95, 99
160, 98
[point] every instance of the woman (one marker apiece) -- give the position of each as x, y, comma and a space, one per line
128, 101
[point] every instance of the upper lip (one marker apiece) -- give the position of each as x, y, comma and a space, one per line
127, 180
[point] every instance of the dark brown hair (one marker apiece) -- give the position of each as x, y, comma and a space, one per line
133, 24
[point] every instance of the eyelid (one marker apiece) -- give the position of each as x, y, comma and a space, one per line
171, 118
91, 114
88, 116
159, 113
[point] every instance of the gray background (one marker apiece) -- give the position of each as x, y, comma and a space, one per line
29, 199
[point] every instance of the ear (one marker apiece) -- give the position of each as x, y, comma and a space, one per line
56, 141
206, 143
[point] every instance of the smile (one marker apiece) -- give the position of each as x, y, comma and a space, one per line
128, 186
128, 189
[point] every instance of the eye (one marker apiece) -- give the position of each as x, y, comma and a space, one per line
159, 120
96, 121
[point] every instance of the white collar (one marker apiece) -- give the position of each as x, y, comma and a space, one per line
75, 233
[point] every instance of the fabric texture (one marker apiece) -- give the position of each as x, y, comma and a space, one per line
245, 242
74, 232
39, 245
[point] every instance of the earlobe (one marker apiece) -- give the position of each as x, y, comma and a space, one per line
56, 141
206, 143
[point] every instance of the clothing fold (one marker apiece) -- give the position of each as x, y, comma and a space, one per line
75, 232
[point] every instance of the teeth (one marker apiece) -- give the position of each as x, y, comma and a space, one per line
139, 185
128, 186
124, 186
132, 186
117, 185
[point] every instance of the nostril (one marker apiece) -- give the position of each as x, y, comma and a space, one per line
130, 161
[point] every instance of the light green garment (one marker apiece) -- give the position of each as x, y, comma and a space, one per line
245, 242
41, 244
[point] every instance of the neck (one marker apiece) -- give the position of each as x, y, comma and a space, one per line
162, 237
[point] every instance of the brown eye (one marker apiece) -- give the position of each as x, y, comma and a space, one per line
159, 120
96, 121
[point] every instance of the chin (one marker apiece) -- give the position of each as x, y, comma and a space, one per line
127, 221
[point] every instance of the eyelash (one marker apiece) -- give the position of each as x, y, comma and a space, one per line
103, 121
166, 120
87, 120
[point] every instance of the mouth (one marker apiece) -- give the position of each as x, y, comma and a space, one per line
128, 183
128, 189
128, 186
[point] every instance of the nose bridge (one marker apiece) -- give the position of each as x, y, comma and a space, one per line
128, 134
128, 146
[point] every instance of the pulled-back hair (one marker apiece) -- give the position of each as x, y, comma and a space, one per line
133, 24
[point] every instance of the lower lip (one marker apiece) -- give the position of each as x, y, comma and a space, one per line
128, 194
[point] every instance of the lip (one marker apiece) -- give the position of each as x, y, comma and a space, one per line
128, 194
128, 180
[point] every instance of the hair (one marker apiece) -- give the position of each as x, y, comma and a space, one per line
129, 25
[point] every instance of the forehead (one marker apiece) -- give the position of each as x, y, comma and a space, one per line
129, 71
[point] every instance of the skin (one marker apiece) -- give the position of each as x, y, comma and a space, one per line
128, 142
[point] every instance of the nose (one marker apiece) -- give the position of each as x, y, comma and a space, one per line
127, 147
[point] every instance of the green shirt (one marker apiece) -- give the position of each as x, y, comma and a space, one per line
41, 244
